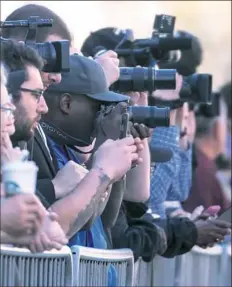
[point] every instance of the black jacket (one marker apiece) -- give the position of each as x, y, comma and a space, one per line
137, 230
47, 168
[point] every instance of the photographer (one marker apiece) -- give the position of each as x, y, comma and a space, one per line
78, 97
135, 228
26, 87
171, 181
210, 142
107, 63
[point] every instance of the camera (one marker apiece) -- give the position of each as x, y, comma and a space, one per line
149, 116
208, 110
54, 54
143, 52
197, 88
141, 79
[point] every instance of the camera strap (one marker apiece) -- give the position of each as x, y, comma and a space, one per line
63, 138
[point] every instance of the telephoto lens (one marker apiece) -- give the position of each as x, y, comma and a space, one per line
141, 79
197, 88
150, 116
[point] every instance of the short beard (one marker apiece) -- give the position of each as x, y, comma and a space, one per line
23, 126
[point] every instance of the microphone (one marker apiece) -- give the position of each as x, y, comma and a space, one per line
160, 155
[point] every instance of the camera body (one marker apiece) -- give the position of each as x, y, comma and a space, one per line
160, 47
54, 54
197, 88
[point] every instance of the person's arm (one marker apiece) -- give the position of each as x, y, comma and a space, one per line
140, 235
163, 173
82, 202
75, 209
111, 210
138, 178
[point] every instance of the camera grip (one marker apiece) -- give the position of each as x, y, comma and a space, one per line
124, 128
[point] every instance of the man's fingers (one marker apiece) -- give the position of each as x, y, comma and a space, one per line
209, 245
111, 54
134, 132
56, 245
218, 230
37, 245
135, 157
219, 237
138, 161
142, 130
126, 141
46, 242
132, 148
221, 223
53, 216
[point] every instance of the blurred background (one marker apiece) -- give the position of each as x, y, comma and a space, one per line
208, 20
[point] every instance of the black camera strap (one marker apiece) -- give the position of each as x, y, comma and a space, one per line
62, 138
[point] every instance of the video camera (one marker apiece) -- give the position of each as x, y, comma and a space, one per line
54, 54
143, 52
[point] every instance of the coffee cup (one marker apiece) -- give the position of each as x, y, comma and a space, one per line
19, 177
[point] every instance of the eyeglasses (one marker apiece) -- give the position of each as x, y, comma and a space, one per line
8, 111
36, 93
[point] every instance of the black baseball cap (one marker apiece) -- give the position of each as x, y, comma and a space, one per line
86, 77
109, 38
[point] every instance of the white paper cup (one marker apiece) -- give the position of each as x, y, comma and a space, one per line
19, 177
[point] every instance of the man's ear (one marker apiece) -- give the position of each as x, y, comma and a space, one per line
65, 103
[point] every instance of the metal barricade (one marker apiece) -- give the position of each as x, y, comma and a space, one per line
143, 273
20, 267
105, 268
200, 267
226, 276
163, 271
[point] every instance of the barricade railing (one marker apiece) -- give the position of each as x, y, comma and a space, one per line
20, 267
90, 267
105, 268
201, 267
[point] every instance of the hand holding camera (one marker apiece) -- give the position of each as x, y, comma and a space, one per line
110, 64
108, 155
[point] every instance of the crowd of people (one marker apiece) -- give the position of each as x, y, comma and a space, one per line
95, 188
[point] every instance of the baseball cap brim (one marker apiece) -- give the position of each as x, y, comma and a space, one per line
109, 96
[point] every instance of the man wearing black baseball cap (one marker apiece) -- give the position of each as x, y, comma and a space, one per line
70, 123
74, 103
